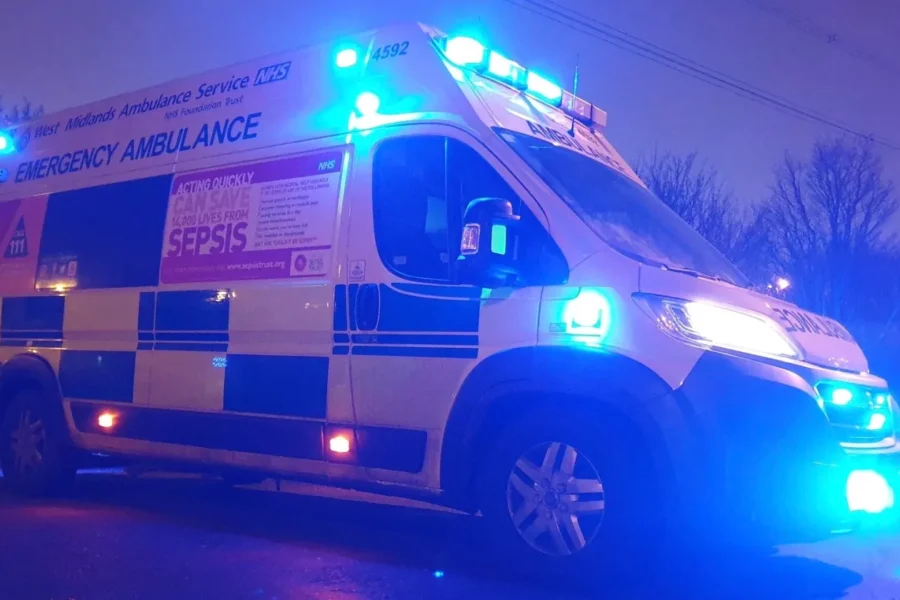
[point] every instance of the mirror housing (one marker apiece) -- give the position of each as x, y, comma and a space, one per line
485, 252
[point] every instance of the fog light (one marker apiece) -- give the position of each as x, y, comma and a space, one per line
869, 492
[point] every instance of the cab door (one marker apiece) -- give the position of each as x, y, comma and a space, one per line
414, 331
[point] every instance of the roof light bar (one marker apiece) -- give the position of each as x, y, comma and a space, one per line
464, 51
507, 70
578, 108
582, 110
544, 89
468, 52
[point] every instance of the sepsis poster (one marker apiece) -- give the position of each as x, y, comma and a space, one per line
21, 224
269, 220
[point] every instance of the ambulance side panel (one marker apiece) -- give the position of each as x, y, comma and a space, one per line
125, 310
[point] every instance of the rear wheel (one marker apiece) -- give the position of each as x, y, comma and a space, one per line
33, 458
567, 498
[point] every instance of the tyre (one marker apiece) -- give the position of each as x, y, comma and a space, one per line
34, 459
567, 498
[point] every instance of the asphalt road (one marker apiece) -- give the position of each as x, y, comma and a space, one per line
118, 538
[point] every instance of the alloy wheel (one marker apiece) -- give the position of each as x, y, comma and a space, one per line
555, 499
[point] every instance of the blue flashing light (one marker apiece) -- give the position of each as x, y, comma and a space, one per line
346, 58
841, 396
498, 239
544, 89
868, 491
367, 103
439, 574
503, 68
464, 51
876, 422
589, 313
7, 145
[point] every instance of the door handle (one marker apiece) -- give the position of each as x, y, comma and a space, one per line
367, 306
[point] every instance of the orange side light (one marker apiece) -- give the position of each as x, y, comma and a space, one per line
106, 420
339, 444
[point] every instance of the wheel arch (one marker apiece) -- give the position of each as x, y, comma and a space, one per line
590, 383
33, 370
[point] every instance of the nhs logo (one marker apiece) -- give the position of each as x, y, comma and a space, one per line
272, 73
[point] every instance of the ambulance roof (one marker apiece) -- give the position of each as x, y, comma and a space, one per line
391, 75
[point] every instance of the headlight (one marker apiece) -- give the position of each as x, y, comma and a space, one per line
714, 326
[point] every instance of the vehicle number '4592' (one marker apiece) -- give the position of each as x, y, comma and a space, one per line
390, 51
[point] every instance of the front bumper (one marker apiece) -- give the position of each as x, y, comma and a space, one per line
768, 462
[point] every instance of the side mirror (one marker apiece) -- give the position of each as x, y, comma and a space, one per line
485, 250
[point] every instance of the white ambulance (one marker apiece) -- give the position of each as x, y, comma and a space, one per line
404, 262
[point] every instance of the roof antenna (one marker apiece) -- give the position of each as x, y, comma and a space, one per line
575, 93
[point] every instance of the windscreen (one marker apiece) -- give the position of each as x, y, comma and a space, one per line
622, 213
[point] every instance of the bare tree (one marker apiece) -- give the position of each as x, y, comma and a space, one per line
20, 113
695, 191
827, 219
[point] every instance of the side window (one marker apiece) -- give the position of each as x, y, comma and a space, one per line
411, 208
107, 236
422, 186
538, 259
471, 177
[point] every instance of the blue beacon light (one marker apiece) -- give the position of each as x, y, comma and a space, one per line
588, 314
346, 58
7, 144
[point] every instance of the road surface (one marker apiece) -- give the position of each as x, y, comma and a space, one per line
120, 538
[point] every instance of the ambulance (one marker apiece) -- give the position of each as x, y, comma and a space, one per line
404, 262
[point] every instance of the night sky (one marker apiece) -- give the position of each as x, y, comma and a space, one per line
839, 58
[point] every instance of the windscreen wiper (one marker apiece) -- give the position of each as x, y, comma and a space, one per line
696, 273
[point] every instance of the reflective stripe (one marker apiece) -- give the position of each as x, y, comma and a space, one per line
295, 386
423, 351
92, 375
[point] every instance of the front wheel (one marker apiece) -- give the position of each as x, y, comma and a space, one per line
569, 497
33, 459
